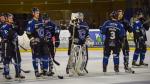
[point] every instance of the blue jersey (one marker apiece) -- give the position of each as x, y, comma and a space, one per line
8, 33
35, 28
81, 32
113, 30
50, 30
139, 30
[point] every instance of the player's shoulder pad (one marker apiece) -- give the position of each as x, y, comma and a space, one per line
84, 24
30, 21
121, 25
137, 21
106, 22
4, 26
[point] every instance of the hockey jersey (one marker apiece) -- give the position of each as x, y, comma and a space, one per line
139, 31
35, 28
81, 32
113, 31
9, 33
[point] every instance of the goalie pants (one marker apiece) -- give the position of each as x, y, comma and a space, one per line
69, 47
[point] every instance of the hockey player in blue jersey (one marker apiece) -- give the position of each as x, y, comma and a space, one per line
125, 47
50, 32
10, 47
79, 31
2, 21
36, 33
114, 32
139, 31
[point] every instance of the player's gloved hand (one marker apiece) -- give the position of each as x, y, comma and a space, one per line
137, 31
89, 42
76, 40
34, 40
57, 43
141, 39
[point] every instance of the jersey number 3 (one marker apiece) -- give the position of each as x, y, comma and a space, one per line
112, 35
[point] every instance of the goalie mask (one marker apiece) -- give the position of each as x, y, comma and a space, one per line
78, 15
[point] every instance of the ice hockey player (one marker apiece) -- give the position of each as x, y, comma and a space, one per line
79, 31
139, 30
2, 21
36, 33
125, 46
10, 47
50, 32
114, 32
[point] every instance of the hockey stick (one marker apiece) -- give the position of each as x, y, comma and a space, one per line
23, 47
25, 71
85, 68
57, 63
17, 60
59, 76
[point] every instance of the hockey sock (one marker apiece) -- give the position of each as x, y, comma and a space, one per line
116, 59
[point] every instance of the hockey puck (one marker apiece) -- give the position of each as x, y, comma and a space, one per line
133, 72
60, 77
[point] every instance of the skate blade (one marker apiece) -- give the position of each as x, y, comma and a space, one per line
135, 66
81, 74
128, 71
19, 79
144, 66
72, 73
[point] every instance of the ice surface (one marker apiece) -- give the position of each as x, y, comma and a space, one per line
95, 76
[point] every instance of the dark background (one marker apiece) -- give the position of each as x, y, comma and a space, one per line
95, 11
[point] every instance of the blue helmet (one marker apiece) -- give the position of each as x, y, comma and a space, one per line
114, 14
35, 10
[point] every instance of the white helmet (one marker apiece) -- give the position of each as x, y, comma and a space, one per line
77, 15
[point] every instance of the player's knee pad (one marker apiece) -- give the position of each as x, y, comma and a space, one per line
6, 60
126, 59
125, 52
143, 52
137, 51
106, 53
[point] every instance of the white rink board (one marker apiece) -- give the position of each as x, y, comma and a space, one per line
64, 34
